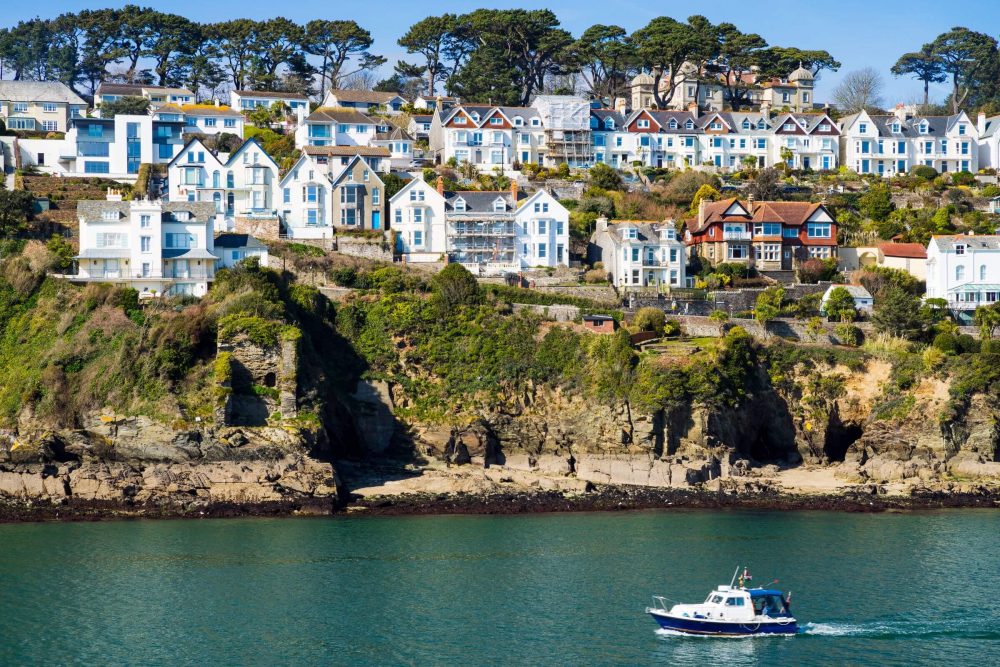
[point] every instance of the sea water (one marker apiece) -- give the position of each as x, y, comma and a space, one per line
556, 589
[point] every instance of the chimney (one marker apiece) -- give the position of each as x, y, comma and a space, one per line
602, 224
900, 111
513, 190
693, 109
981, 123
701, 211
765, 111
621, 104
217, 103
440, 185
750, 204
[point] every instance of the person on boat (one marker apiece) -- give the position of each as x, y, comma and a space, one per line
786, 602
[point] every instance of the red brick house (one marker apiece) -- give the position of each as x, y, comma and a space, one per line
767, 235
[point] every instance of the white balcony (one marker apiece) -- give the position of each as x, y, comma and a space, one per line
731, 235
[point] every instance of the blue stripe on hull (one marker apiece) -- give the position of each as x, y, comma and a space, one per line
697, 627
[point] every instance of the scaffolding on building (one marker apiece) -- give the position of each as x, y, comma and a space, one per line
566, 120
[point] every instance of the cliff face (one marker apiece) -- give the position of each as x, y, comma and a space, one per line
829, 416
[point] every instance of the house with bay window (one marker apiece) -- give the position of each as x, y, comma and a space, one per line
158, 248
639, 253
39, 106
767, 235
490, 232
239, 185
487, 137
208, 119
894, 144
248, 100
964, 271
318, 198
336, 127
399, 143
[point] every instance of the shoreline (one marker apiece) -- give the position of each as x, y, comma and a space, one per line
600, 499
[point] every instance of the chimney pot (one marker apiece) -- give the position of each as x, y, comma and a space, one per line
440, 185
513, 191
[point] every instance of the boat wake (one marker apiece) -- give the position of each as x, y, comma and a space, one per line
963, 628
665, 633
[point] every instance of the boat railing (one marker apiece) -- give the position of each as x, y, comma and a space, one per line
660, 602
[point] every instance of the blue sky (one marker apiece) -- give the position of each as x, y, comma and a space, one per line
858, 33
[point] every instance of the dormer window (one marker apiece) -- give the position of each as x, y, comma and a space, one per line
631, 233
535, 122
609, 124
959, 249
459, 204
689, 125
746, 124
668, 234
499, 206
895, 128
760, 125
496, 121
923, 127
109, 216
673, 124
518, 122
642, 124
182, 216
459, 120
715, 125
475, 117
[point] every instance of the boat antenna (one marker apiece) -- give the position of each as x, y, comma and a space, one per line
733, 580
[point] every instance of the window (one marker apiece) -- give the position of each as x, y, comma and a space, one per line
312, 216
95, 130
229, 122
635, 254
895, 128
863, 128
91, 167
961, 128
349, 195
178, 240
110, 216
144, 221
631, 233
541, 251
375, 197
418, 238
767, 229
112, 240
559, 228
50, 125
145, 243
542, 229
416, 195
771, 252
642, 124
737, 252
418, 215
362, 129
673, 255
398, 216
286, 195
496, 121
349, 216
982, 272
209, 122
541, 207
146, 268
959, 273
518, 121
499, 206
459, 204
19, 107
790, 233
959, 249
818, 230
311, 194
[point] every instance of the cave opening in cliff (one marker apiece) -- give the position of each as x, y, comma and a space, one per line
839, 438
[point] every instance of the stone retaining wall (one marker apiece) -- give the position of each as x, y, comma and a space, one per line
697, 326
559, 313
366, 248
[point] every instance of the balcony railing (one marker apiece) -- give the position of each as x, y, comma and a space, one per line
735, 236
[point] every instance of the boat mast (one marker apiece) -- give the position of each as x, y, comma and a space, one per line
733, 580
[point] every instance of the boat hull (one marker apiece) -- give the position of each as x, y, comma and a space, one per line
695, 626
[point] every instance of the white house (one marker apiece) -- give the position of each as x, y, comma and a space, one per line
487, 137
432, 103
640, 253
115, 147
157, 95
399, 143
336, 127
231, 249
365, 101
158, 248
489, 232
208, 119
964, 271
244, 184
420, 125
248, 100
317, 198
890, 145
863, 300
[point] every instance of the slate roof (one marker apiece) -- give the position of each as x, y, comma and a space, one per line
937, 126
93, 210
481, 201
396, 134
369, 96
974, 242
647, 231
364, 151
856, 291
346, 116
229, 240
38, 91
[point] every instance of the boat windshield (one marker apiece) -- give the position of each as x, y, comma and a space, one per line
770, 605
714, 599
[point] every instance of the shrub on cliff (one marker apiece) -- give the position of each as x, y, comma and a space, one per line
650, 319
454, 286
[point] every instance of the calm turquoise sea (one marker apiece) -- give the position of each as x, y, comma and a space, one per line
560, 589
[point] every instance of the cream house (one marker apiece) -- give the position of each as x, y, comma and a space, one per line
39, 106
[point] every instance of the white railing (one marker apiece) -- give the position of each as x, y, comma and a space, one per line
735, 236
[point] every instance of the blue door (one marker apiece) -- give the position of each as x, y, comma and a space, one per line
376, 219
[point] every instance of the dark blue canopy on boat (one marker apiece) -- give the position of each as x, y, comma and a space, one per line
762, 592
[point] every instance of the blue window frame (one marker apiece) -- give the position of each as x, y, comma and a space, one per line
95, 167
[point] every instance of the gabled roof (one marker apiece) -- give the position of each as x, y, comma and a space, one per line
190, 143
333, 115
335, 180
482, 201
647, 231
246, 144
340, 151
93, 210
395, 134
38, 91
947, 243
793, 213
856, 291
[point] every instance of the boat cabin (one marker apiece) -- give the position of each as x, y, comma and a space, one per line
738, 604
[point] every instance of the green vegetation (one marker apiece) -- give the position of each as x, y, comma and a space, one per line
126, 106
